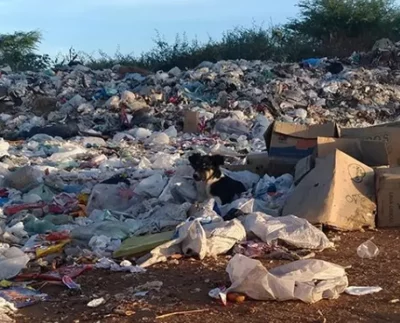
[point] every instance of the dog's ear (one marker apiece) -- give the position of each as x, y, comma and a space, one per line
217, 160
194, 159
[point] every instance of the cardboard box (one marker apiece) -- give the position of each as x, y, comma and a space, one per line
339, 193
191, 122
262, 163
388, 134
388, 197
295, 141
369, 152
303, 167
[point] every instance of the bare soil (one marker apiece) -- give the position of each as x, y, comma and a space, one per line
186, 284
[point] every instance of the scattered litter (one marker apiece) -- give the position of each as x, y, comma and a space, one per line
362, 290
22, 297
367, 250
96, 302
307, 280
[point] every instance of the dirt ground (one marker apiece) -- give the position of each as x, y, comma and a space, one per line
186, 284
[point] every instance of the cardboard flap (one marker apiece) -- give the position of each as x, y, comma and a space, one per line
388, 134
305, 131
339, 192
389, 181
369, 152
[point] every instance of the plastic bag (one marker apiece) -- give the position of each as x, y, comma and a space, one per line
368, 250
12, 261
195, 240
232, 126
151, 186
24, 179
292, 230
115, 201
308, 280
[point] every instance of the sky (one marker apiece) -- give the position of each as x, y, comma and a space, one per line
89, 25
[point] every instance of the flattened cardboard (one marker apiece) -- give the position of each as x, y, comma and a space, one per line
191, 122
388, 197
339, 193
295, 141
369, 152
387, 134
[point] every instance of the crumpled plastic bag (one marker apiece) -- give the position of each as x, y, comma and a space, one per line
308, 280
197, 240
151, 186
179, 189
292, 230
12, 261
247, 178
115, 201
232, 126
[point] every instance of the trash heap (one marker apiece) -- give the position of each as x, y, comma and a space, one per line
94, 170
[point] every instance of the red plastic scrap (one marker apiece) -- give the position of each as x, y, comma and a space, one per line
14, 209
3, 192
57, 236
56, 275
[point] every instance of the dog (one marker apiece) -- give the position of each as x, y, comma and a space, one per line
217, 185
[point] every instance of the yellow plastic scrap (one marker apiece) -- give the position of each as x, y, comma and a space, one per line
5, 283
83, 198
42, 252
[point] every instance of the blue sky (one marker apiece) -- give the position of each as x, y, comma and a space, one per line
89, 25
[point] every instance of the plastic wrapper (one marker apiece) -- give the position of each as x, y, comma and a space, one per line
308, 280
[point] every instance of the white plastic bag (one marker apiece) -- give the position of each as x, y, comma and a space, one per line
308, 280
292, 230
151, 186
12, 261
368, 250
201, 241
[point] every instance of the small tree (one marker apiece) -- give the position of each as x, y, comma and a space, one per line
340, 27
18, 51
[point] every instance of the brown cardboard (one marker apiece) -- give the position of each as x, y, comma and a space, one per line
191, 122
339, 193
295, 141
303, 167
388, 197
262, 163
388, 134
369, 152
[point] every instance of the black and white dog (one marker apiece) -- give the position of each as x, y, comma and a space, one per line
217, 185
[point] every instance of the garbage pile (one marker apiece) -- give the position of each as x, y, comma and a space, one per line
94, 171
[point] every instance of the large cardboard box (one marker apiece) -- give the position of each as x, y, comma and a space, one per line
388, 197
339, 193
369, 152
295, 141
388, 134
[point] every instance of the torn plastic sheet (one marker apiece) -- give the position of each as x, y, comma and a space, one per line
199, 240
105, 263
362, 290
292, 230
308, 280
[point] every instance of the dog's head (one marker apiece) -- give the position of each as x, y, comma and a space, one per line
206, 167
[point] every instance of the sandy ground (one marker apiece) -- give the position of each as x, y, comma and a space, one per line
186, 284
